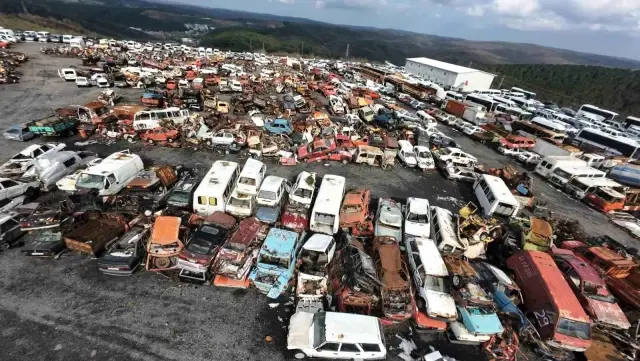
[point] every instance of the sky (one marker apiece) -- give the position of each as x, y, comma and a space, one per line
608, 27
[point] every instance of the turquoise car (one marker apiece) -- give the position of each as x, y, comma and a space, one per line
276, 262
480, 320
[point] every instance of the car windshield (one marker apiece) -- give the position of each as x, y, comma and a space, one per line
199, 245
180, 197
409, 155
598, 292
562, 174
445, 151
352, 208
424, 154
436, 284
303, 193
13, 131
573, 328
248, 181
269, 195
240, 202
282, 262
313, 262
417, 218
90, 181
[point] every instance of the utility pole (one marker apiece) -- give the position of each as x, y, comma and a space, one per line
346, 55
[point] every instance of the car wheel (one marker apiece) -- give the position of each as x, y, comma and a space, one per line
299, 355
150, 141
457, 281
30, 192
162, 262
4, 246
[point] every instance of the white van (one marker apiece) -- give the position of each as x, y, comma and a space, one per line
7, 32
563, 174
272, 191
251, 176
427, 119
406, 154
495, 197
548, 164
325, 216
214, 191
112, 174
67, 38
150, 119
444, 234
579, 187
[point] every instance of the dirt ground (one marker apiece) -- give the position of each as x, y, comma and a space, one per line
66, 309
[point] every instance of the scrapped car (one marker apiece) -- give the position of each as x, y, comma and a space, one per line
124, 256
181, 195
21, 162
430, 277
480, 321
276, 262
335, 335
19, 132
43, 243
235, 258
50, 168
388, 219
317, 150
417, 218
528, 158
396, 295
49, 215
202, 246
10, 230
279, 126
355, 209
91, 232
164, 245
295, 218
461, 173
591, 290
271, 198
159, 135
241, 205
315, 255
227, 140
424, 158
11, 189
511, 152
454, 155
303, 190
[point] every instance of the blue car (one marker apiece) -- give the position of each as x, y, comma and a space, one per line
267, 214
480, 320
276, 262
279, 126
19, 132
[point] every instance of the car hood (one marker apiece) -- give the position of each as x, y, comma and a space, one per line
299, 325
441, 305
350, 218
295, 220
268, 214
483, 324
382, 231
417, 229
303, 151
608, 313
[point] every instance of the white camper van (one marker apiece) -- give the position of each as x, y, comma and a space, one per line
215, 189
325, 217
112, 174
495, 197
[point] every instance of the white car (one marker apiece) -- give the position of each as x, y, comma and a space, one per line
11, 189
21, 162
336, 335
417, 218
406, 154
82, 81
424, 158
527, 157
469, 129
103, 83
388, 219
511, 152
455, 155
458, 124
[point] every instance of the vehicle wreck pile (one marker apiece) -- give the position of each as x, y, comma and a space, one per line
9, 63
487, 274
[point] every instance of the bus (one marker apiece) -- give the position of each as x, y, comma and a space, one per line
488, 92
632, 122
542, 128
592, 112
527, 94
516, 112
595, 138
480, 99
505, 101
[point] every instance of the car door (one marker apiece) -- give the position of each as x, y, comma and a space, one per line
349, 351
11, 189
327, 350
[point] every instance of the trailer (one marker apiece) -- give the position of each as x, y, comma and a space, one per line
54, 125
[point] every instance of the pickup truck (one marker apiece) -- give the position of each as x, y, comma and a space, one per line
92, 232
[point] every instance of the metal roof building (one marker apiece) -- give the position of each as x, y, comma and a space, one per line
449, 75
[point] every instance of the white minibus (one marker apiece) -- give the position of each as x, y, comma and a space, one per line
251, 176
325, 216
215, 189
150, 119
495, 197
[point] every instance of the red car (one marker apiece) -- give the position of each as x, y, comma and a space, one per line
327, 90
317, 150
355, 208
295, 218
4, 45
159, 135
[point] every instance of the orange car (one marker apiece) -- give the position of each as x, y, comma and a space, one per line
355, 208
164, 244
160, 135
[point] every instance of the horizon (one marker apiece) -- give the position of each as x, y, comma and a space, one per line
572, 27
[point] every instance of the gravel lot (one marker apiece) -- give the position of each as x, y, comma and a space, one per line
66, 309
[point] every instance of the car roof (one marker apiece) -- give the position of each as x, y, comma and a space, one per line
351, 328
318, 242
431, 259
271, 183
416, 205
251, 168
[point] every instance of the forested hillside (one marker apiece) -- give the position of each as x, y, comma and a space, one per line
573, 85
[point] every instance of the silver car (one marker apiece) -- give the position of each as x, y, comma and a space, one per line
19, 133
388, 219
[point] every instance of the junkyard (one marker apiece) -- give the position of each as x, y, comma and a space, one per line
119, 173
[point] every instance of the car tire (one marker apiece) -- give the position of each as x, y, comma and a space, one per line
299, 355
162, 262
4, 246
420, 303
457, 282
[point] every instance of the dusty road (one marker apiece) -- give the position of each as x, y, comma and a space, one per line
66, 310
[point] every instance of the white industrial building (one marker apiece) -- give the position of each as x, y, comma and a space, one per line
449, 75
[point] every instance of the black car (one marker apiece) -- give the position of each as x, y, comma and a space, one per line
43, 243
124, 256
181, 196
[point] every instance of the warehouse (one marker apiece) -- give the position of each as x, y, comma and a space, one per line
449, 75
